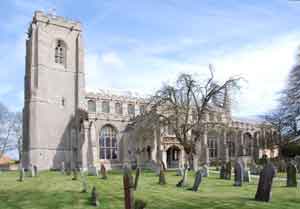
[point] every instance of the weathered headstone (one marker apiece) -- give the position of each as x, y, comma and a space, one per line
291, 180
62, 168
95, 197
35, 170
22, 174
84, 182
162, 178
68, 170
238, 174
183, 181
205, 171
228, 171
75, 175
222, 171
264, 188
137, 176
179, 172
103, 171
247, 175
139, 204
128, 189
93, 171
198, 180
31, 170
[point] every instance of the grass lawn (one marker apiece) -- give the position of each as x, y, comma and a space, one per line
53, 190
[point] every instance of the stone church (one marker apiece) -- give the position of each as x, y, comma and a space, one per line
65, 124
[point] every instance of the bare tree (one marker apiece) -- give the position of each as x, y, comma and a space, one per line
182, 107
10, 130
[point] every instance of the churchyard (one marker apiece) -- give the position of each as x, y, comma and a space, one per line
50, 190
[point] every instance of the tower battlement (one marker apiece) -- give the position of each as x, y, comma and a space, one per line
40, 16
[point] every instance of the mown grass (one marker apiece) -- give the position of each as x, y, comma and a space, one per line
52, 190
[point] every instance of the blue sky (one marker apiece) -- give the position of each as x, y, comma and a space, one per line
138, 44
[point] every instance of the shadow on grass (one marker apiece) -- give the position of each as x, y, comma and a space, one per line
43, 200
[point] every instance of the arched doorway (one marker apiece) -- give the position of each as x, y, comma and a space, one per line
173, 157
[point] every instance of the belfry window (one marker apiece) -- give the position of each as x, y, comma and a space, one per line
108, 143
60, 52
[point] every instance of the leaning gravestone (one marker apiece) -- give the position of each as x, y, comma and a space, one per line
84, 183
264, 188
128, 189
198, 180
238, 174
291, 180
222, 172
205, 171
137, 176
35, 169
162, 178
183, 181
62, 168
95, 197
228, 171
103, 172
22, 174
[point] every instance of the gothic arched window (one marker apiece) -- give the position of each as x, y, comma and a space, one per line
248, 143
105, 107
118, 108
231, 144
91, 106
131, 110
108, 143
60, 52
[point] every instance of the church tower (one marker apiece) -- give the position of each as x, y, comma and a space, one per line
54, 91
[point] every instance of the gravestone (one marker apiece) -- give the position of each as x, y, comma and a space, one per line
31, 170
137, 176
163, 165
157, 169
140, 204
35, 170
162, 178
84, 182
63, 168
183, 181
291, 180
93, 171
222, 172
22, 174
179, 172
247, 175
205, 171
238, 174
128, 189
95, 197
264, 188
228, 169
198, 180
103, 171
75, 175
68, 170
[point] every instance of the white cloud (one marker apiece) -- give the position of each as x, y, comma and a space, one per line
264, 66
